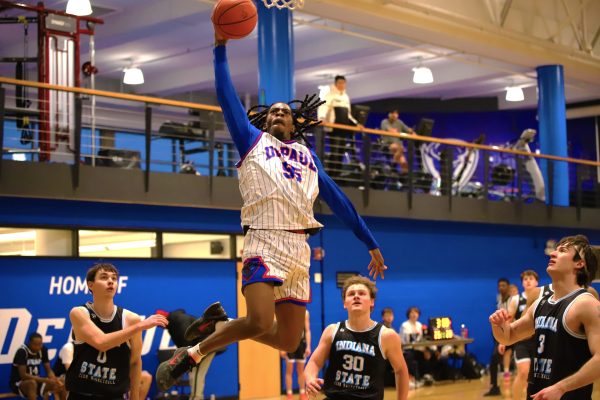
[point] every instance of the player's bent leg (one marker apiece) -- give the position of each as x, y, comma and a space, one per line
301, 382
29, 389
289, 371
258, 321
520, 381
261, 311
286, 332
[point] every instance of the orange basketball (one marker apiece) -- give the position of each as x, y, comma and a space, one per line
234, 19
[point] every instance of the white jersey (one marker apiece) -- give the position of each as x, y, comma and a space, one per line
279, 185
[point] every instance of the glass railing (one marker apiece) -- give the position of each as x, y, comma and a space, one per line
47, 123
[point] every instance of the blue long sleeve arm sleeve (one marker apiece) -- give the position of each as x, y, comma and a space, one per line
342, 207
243, 133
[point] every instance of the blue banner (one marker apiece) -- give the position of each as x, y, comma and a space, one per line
38, 294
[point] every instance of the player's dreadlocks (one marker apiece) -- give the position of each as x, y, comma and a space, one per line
304, 116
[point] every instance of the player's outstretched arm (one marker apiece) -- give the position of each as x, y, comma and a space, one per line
345, 211
587, 313
317, 361
242, 132
392, 347
507, 333
86, 331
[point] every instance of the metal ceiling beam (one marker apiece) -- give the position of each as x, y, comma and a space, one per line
459, 34
505, 11
568, 20
572, 23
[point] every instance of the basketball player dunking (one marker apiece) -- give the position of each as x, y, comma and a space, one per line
280, 180
107, 342
357, 350
566, 325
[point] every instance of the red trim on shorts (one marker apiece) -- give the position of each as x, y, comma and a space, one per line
293, 300
296, 301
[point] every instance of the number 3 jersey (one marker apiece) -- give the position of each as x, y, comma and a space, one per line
356, 367
100, 373
559, 352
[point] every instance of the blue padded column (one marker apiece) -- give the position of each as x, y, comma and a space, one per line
275, 55
553, 130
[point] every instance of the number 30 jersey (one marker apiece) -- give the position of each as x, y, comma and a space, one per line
356, 367
559, 352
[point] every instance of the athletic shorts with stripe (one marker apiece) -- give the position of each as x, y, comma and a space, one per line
298, 355
41, 387
280, 257
524, 350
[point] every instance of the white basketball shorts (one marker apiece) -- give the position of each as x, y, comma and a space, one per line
280, 257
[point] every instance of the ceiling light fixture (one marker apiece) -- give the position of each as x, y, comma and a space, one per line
422, 75
133, 76
514, 93
79, 7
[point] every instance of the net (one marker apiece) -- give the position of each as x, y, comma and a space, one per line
280, 4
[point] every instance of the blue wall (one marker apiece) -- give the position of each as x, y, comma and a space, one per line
42, 288
445, 268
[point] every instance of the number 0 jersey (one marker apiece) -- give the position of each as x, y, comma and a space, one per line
356, 367
100, 373
559, 352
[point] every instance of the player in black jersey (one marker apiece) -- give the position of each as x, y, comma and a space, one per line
524, 350
566, 325
298, 357
357, 350
108, 342
25, 375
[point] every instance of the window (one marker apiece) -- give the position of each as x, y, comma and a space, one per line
35, 242
117, 244
191, 245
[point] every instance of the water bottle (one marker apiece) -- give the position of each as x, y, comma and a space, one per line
464, 331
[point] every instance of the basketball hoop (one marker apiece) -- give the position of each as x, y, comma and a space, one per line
281, 4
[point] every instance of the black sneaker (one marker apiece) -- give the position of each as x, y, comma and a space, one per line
205, 325
169, 371
494, 391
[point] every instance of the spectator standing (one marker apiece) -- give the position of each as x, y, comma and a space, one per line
394, 124
337, 109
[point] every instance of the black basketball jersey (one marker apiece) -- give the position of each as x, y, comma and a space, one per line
33, 362
546, 291
59, 367
97, 373
356, 367
559, 352
521, 305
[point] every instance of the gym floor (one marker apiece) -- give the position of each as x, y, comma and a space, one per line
464, 390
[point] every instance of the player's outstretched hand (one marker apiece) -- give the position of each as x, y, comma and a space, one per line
554, 392
377, 265
313, 386
154, 320
220, 40
500, 318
